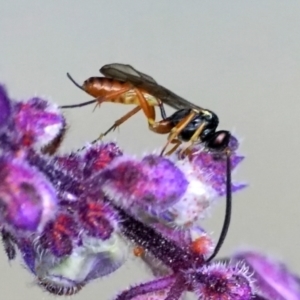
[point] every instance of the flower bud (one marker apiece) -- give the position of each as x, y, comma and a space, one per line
38, 122
27, 199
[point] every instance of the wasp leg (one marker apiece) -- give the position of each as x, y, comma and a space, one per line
175, 131
194, 138
110, 96
177, 144
148, 110
162, 109
120, 121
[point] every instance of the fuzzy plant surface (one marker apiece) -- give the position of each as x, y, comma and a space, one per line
71, 218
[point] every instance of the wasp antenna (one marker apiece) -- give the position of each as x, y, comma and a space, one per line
74, 82
227, 218
80, 104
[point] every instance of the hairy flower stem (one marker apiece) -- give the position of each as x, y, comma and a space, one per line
145, 288
55, 175
177, 289
165, 250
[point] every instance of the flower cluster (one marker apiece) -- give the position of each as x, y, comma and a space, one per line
72, 217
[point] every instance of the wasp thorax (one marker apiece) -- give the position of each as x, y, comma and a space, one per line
210, 117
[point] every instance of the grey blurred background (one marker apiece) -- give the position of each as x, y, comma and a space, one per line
240, 59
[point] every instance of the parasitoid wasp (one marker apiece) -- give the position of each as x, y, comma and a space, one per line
124, 84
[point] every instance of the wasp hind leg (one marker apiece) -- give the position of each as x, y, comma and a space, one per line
110, 96
143, 105
120, 121
148, 110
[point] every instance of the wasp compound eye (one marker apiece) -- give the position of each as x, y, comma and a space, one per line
219, 140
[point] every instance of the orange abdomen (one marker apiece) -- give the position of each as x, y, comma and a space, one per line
103, 87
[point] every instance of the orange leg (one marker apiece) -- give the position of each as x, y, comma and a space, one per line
110, 96
178, 129
177, 144
161, 127
120, 121
148, 110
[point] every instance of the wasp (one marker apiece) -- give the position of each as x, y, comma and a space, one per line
124, 84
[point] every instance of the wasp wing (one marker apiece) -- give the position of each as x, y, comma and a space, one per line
127, 73
124, 72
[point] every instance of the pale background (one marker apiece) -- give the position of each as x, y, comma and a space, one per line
238, 58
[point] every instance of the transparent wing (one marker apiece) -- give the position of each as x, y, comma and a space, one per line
127, 73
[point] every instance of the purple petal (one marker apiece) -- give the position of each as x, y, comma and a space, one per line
217, 281
9, 244
5, 108
94, 158
38, 122
28, 254
273, 279
57, 235
213, 170
27, 199
140, 292
152, 183
96, 218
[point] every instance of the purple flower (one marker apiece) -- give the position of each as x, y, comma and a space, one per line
73, 217
223, 282
39, 123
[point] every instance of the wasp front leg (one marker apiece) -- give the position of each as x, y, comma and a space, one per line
194, 138
166, 126
177, 144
